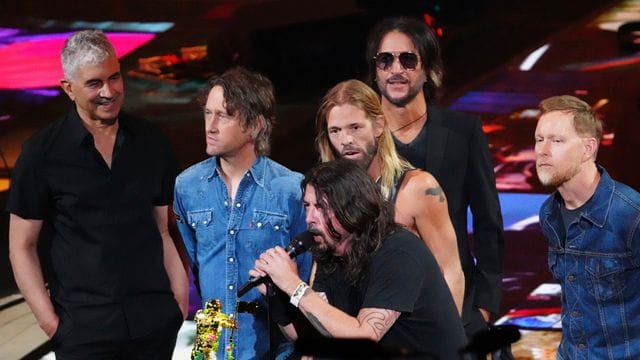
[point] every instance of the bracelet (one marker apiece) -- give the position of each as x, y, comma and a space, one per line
298, 293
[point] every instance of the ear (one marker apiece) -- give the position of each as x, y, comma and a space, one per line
378, 126
257, 126
590, 148
66, 86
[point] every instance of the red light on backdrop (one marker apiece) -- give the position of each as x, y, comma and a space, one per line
34, 61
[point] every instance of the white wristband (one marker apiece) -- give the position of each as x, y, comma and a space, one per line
298, 293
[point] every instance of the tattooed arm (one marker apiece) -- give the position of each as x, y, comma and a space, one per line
371, 323
423, 205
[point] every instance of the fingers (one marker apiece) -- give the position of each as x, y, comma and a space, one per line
259, 269
273, 257
255, 273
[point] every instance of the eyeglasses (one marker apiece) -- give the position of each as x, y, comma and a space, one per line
384, 60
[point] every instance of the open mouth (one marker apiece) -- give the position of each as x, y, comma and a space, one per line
350, 153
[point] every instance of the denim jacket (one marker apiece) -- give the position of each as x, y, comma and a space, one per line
223, 237
597, 263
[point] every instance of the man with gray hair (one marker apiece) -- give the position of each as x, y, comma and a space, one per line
88, 233
592, 224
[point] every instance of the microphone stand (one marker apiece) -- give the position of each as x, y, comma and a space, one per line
270, 293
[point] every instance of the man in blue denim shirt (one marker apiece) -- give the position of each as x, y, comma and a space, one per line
237, 204
592, 225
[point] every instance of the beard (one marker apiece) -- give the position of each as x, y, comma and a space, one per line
323, 250
368, 154
414, 90
555, 178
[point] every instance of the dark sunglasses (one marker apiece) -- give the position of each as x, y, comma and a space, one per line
384, 60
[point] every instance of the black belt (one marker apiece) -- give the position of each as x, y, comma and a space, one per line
249, 307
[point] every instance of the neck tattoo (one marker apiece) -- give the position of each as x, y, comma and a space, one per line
410, 122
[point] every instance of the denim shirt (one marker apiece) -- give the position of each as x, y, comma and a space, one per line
597, 264
223, 237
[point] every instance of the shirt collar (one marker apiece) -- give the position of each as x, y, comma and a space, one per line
596, 209
79, 132
256, 171
76, 129
600, 202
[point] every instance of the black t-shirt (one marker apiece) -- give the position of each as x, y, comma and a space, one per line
416, 151
100, 244
403, 276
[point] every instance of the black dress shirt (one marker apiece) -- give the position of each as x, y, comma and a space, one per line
100, 246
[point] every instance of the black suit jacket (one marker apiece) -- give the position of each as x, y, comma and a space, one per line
457, 154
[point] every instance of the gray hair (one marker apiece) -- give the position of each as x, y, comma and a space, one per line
84, 47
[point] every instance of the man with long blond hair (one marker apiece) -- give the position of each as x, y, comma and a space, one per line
350, 124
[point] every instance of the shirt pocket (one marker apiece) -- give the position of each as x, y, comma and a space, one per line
269, 229
606, 277
198, 219
200, 222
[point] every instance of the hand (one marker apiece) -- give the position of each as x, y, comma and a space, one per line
184, 307
486, 314
254, 273
278, 265
50, 326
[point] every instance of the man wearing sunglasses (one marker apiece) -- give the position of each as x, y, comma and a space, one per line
406, 68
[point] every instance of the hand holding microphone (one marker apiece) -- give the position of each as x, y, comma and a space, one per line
277, 263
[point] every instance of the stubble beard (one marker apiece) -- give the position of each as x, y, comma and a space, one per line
558, 177
414, 90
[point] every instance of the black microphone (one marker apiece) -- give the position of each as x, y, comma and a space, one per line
298, 245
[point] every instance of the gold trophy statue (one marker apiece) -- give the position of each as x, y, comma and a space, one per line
209, 323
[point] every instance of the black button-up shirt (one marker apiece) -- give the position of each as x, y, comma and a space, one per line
100, 244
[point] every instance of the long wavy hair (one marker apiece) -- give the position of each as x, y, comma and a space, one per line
358, 94
343, 187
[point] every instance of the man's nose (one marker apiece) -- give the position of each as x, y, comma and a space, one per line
211, 123
542, 148
107, 90
310, 216
346, 138
396, 66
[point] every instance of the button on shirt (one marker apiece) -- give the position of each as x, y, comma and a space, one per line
223, 238
597, 262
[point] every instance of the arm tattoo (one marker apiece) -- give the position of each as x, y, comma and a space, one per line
380, 321
318, 325
437, 191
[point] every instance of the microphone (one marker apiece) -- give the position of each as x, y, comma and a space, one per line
298, 245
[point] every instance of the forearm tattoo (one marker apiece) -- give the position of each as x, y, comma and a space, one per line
436, 191
318, 325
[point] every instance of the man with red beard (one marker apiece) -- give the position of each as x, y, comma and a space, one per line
90, 194
592, 224
374, 280
406, 69
350, 125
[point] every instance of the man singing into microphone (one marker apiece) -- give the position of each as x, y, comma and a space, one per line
236, 204
374, 279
